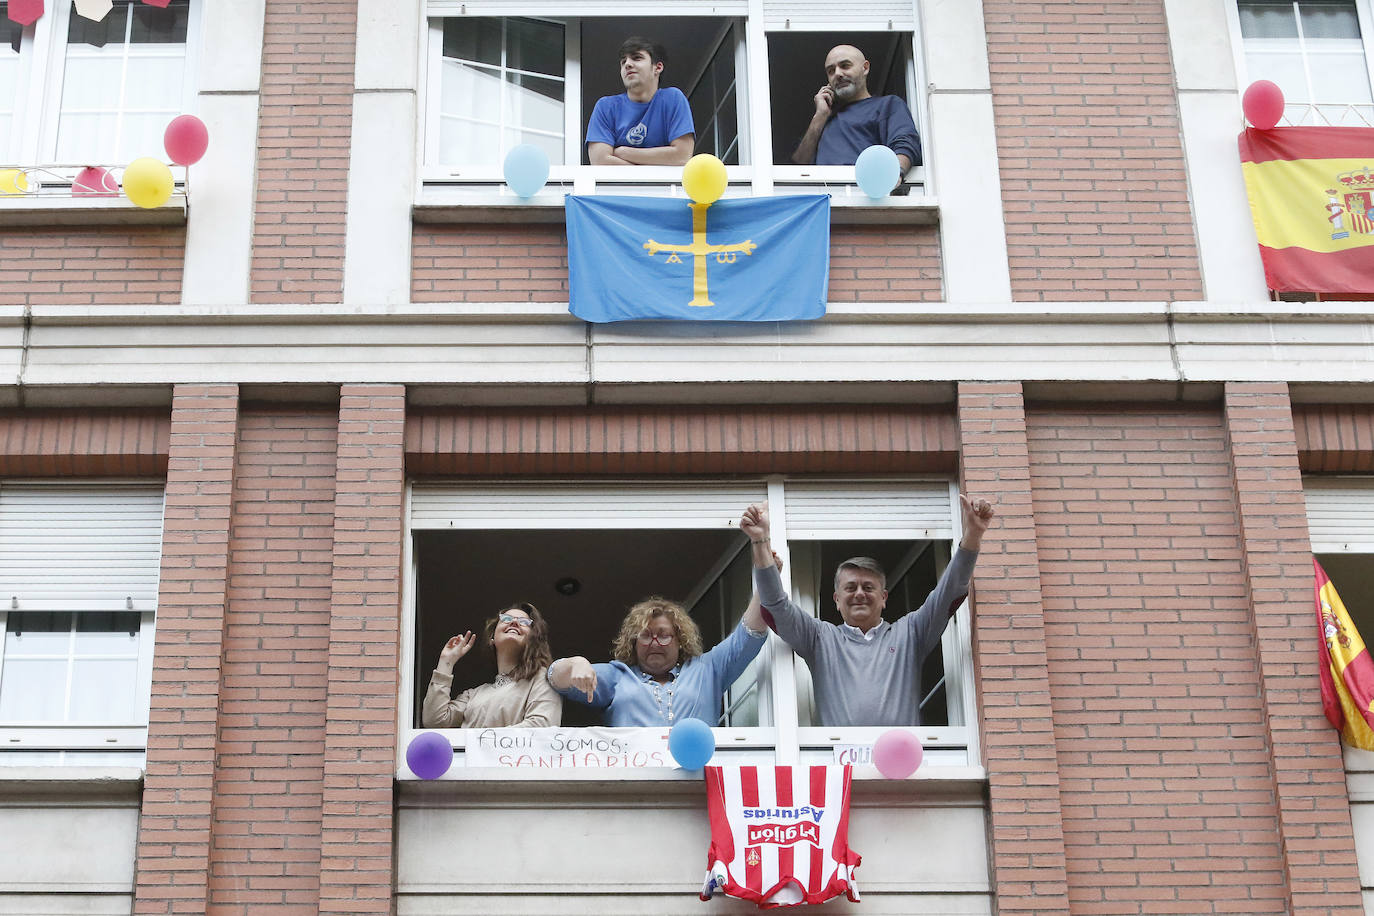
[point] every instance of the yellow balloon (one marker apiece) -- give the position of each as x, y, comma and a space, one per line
13, 181
703, 178
148, 182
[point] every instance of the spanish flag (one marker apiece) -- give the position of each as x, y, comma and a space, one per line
1347, 671
1311, 193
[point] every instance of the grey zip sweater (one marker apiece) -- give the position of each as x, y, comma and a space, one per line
875, 681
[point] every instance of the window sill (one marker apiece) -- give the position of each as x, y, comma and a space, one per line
914, 209
69, 782
38, 210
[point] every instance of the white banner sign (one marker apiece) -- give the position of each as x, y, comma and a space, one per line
568, 748
853, 755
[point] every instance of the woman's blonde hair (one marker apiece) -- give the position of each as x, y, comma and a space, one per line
688, 636
535, 655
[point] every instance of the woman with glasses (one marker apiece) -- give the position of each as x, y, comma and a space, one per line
658, 673
520, 695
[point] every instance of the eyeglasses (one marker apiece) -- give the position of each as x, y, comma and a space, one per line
662, 639
518, 621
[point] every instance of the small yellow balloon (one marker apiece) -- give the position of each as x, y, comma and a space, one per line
703, 178
13, 181
148, 182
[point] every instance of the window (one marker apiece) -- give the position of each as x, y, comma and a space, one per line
1317, 51
78, 595
497, 81
583, 552
96, 93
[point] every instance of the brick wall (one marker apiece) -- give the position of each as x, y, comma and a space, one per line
107, 265
485, 263
357, 841
84, 443
1090, 153
172, 868
680, 440
270, 747
1026, 840
304, 132
1166, 786
1335, 438
1308, 772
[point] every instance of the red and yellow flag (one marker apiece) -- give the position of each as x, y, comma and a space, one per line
1347, 671
1311, 193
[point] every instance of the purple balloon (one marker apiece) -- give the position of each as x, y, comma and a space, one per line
897, 753
429, 755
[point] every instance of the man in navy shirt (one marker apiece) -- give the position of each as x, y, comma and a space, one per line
646, 125
848, 120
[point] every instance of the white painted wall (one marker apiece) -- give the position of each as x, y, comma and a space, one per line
634, 848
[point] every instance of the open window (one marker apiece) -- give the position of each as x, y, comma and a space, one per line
584, 551
498, 75
1317, 51
78, 595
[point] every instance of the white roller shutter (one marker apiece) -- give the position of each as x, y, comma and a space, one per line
562, 505
561, 9
857, 510
1340, 514
80, 547
819, 15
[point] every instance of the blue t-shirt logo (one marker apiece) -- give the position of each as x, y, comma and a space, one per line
635, 135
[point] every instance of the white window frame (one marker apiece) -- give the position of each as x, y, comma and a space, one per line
1309, 113
43, 56
446, 188
951, 751
89, 736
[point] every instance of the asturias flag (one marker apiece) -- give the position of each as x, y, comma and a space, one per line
749, 259
1347, 672
1310, 191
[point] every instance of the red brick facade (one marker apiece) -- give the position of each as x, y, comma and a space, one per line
1093, 184
530, 264
109, 265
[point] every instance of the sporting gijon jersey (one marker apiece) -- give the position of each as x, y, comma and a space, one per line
780, 835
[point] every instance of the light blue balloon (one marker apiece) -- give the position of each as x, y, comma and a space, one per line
526, 169
691, 743
877, 171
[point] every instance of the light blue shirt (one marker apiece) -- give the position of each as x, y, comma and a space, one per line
627, 693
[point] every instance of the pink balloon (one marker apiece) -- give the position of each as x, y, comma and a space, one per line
1263, 104
897, 753
93, 181
186, 140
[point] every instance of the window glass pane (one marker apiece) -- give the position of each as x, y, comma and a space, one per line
32, 690
108, 634
485, 107
37, 633
110, 30
1329, 20
103, 691
1340, 78
477, 40
1267, 20
534, 46
1283, 68
117, 97
160, 26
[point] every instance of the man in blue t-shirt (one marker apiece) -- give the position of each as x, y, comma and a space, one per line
848, 120
646, 125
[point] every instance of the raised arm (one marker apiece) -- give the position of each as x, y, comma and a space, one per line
799, 629
805, 153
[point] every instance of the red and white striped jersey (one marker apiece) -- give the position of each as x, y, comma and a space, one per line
779, 835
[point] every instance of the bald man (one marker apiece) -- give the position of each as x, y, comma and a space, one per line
848, 120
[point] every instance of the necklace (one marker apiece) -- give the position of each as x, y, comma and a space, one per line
502, 680
661, 691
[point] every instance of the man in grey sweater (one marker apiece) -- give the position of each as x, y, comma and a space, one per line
866, 671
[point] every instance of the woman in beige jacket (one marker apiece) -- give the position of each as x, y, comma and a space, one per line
520, 695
